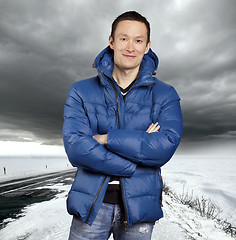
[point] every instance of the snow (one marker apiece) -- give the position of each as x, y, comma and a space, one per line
42, 221
180, 222
26, 166
206, 175
50, 220
210, 176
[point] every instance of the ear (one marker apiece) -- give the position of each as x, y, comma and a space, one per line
111, 42
148, 47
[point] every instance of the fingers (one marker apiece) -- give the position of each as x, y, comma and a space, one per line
102, 139
149, 128
154, 127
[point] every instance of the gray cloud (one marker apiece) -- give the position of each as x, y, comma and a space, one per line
44, 47
197, 49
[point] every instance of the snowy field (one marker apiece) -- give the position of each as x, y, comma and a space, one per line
50, 221
21, 165
205, 175
27, 166
213, 177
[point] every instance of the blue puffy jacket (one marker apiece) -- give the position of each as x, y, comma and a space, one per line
96, 106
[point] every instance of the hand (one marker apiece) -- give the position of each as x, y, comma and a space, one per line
102, 139
154, 127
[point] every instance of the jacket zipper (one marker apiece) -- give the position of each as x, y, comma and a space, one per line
123, 198
90, 211
121, 181
117, 102
159, 174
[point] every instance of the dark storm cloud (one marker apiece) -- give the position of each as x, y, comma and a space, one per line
197, 55
45, 46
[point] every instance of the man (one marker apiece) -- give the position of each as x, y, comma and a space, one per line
119, 128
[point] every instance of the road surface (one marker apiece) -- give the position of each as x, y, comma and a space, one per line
19, 193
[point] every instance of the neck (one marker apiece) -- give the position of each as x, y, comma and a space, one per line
124, 77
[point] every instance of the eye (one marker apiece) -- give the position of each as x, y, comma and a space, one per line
139, 41
123, 39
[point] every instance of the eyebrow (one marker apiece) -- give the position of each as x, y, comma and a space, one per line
126, 35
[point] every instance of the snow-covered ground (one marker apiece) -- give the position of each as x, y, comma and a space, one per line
23, 164
26, 166
45, 220
212, 177
50, 221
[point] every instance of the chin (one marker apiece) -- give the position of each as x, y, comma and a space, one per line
126, 67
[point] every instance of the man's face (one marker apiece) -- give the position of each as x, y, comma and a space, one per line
129, 44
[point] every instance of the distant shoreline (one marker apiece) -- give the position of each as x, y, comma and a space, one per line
33, 173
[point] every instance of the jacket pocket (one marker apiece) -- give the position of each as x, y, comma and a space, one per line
160, 185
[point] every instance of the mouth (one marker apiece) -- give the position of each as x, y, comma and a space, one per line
129, 56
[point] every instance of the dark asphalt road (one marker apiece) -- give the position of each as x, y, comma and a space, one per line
19, 193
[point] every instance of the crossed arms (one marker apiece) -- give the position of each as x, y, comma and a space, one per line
102, 139
120, 150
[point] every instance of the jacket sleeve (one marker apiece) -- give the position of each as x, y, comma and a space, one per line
84, 151
151, 149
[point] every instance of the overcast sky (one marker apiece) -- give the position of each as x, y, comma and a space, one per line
45, 46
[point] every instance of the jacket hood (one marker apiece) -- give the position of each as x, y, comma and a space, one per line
104, 63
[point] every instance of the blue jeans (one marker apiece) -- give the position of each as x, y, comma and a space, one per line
110, 219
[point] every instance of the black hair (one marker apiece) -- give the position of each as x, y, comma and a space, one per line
133, 16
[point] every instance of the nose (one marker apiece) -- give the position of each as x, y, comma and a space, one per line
129, 46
